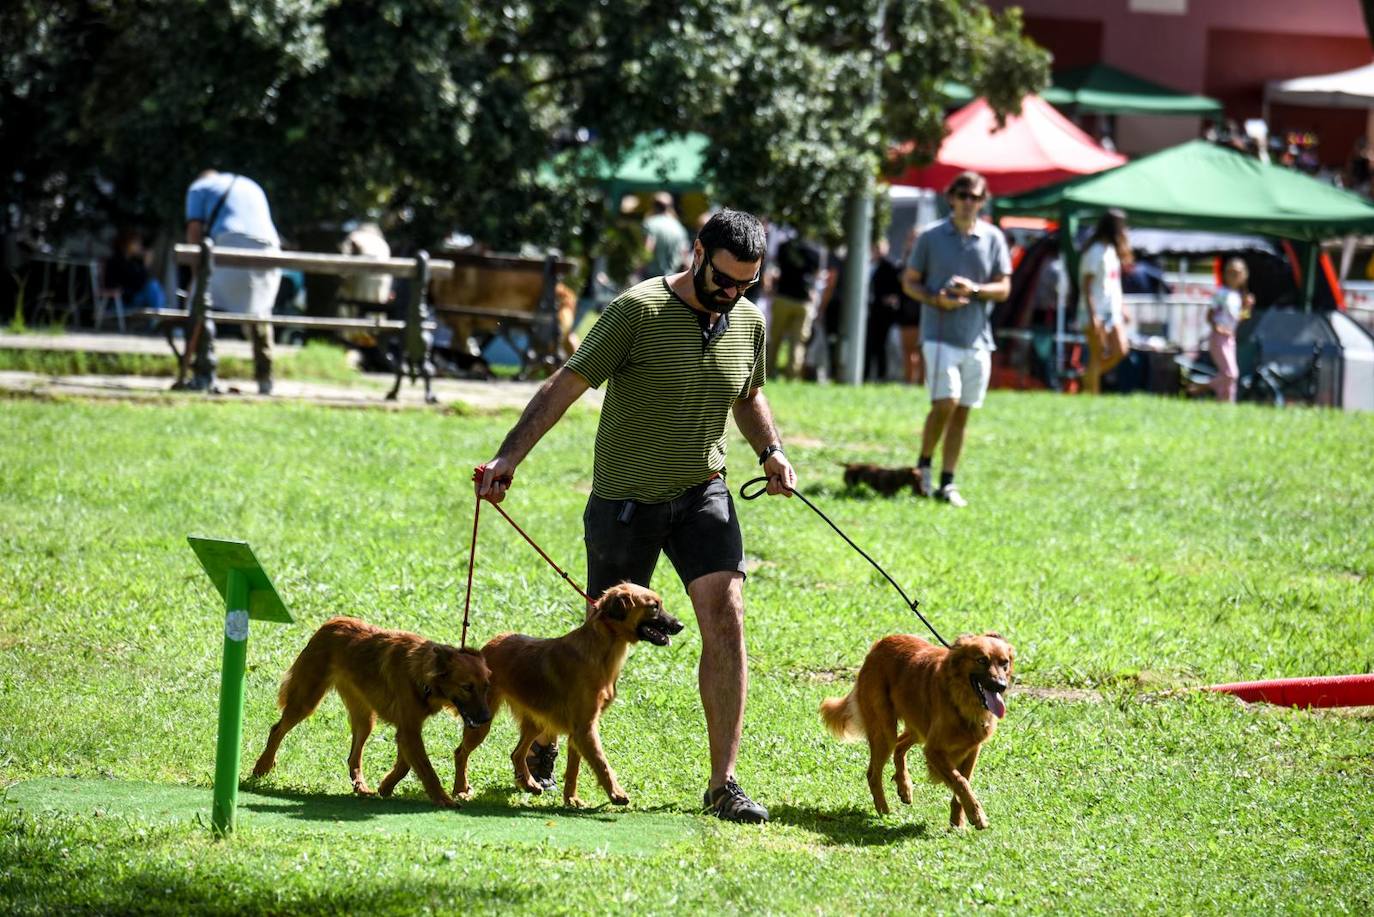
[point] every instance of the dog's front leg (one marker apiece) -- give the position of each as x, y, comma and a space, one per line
570, 777
472, 737
412, 745
941, 767
588, 744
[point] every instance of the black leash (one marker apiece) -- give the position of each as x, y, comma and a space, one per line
912, 603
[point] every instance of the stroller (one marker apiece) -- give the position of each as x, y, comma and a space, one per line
1271, 380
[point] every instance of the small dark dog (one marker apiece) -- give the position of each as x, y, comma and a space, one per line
398, 676
886, 481
563, 685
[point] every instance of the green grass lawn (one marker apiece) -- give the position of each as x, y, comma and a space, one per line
1131, 549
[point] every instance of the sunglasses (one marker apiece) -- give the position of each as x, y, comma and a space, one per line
968, 196
726, 282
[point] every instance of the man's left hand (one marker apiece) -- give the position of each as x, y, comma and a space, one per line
781, 478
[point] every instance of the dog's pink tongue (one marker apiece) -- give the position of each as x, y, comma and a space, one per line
998, 705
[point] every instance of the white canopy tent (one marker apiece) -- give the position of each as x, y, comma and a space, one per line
1346, 89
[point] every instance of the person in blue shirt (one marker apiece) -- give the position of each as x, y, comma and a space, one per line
233, 212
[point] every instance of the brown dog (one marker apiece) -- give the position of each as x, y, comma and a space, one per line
886, 481
401, 677
949, 700
561, 686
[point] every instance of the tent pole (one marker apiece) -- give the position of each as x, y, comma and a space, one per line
1309, 275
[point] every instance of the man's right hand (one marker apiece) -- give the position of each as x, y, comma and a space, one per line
943, 300
495, 478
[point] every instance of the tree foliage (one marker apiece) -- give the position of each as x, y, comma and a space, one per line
443, 114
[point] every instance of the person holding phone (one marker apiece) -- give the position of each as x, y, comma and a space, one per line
959, 267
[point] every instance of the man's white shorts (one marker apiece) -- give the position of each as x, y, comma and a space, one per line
957, 372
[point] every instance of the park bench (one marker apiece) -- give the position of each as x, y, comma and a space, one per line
494, 309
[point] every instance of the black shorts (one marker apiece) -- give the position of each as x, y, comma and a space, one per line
909, 313
699, 531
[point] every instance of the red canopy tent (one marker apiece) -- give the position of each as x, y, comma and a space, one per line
1038, 147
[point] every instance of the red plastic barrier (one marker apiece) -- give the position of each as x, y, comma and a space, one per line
1325, 691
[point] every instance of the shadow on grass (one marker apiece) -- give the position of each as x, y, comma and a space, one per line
852, 827
493, 802
155, 888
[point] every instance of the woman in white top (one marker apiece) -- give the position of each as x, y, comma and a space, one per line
1100, 301
1230, 304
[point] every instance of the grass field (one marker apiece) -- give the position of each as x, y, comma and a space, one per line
1131, 549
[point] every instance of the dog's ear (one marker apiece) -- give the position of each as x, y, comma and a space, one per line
615, 605
439, 664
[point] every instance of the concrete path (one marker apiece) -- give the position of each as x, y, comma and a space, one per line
368, 392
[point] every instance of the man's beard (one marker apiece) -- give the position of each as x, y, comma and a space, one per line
712, 302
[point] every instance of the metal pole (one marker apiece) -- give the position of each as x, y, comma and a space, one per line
859, 230
851, 370
231, 689
1068, 232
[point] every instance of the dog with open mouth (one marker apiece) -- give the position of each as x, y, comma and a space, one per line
948, 701
398, 676
561, 686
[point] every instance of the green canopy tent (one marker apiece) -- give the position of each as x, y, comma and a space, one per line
1104, 90
656, 161
1199, 185
956, 94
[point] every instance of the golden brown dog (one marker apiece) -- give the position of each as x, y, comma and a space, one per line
561, 686
886, 481
949, 701
401, 677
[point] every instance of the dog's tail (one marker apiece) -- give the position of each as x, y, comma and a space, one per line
308, 680
841, 717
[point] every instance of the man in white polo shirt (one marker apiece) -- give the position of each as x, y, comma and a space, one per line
959, 267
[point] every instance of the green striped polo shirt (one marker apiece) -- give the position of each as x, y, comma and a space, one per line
662, 427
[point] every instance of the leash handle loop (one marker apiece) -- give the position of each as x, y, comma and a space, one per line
911, 603
763, 487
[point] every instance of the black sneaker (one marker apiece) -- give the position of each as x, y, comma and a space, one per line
541, 760
729, 803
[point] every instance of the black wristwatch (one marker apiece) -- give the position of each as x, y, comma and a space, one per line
767, 451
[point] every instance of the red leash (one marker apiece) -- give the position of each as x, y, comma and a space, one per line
472, 556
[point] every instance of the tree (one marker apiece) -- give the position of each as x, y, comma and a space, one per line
441, 114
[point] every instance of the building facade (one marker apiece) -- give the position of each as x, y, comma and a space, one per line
1227, 49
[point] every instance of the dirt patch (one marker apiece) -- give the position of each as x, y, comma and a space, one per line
1066, 695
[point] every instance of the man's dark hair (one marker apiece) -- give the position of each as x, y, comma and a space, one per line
739, 233
971, 182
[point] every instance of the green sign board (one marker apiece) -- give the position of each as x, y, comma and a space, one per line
248, 595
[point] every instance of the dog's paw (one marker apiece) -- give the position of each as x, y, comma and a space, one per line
620, 799
530, 786
464, 793
361, 789
904, 791
979, 820
573, 802
446, 802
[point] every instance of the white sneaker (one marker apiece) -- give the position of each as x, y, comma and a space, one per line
950, 494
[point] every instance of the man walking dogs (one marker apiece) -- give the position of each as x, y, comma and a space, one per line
679, 354
959, 267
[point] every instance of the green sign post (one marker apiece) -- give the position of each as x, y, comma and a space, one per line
248, 595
